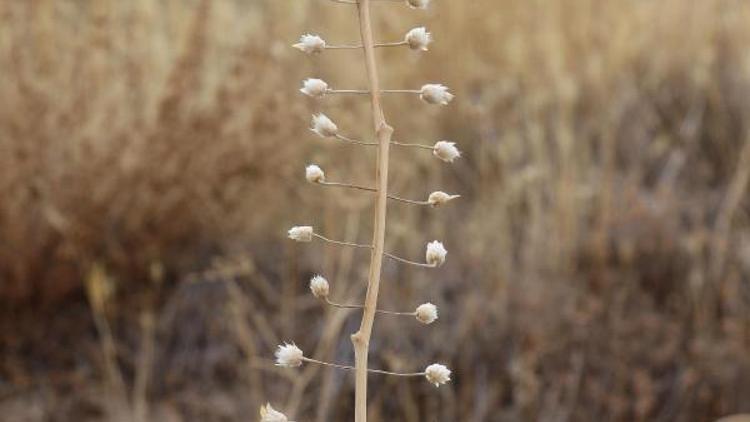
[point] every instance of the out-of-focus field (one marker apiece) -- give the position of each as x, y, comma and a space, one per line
151, 160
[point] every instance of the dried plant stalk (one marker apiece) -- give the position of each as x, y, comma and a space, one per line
361, 339
288, 354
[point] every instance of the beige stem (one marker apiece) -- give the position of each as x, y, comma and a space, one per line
369, 189
361, 339
374, 371
380, 311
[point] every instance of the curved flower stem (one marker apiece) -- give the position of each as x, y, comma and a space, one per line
354, 141
380, 311
401, 91
348, 91
391, 44
403, 144
369, 189
398, 144
406, 261
408, 201
340, 243
359, 47
351, 368
367, 92
347, 185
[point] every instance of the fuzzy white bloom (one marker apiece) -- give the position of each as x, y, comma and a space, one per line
437, 374
315, 88
289, 355
427, 313
435, 94
319, 287
269, 414
418, 38
310, 44
301, 233
418, 4
436, 253
446, 151
323, 126
439, 198
314, 174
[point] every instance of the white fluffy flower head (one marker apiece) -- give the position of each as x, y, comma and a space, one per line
315, 88
319, 287
427, 313
436, 94
301, 233
437, 374
269, 414
289, 355
323, 126
314, 174
439, 198
418, 38
418, 4
310, 44
446, 151
436, 253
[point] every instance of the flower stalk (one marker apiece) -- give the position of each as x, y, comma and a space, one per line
340, 243
384, 132
372, 371
430, 201
288, 354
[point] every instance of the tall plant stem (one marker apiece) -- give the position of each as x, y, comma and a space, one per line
361, 339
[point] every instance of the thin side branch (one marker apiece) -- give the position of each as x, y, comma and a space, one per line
359, 47
398, 144
406, 261
354, 141
422, 146
367, 92
374, 371
408, 201
340, 243
401, 91
380, 311
369, 189
348, 91
347, 185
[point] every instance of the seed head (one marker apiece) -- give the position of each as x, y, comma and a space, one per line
436, 94
301, 233
446, 151
435, 253
440, 198
314, 174
310, 44
289, 355
269, 414
323, 126
437, 374
418, 4
427, 313
319, 287
418, 38
315, 88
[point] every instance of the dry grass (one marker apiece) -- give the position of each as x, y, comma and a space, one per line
598, 269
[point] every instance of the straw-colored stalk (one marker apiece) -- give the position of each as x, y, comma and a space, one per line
361, 339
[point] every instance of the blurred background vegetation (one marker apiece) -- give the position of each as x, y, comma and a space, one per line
152, 157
